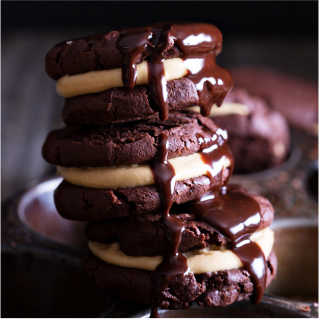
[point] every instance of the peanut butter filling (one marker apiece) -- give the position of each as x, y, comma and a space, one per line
198, 261
99, 81
135, 175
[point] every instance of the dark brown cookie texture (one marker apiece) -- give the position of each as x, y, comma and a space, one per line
214, 289
88, 204
92, 53
121, 104
125, 143
145, 235
100, 52
259, 140
293, 97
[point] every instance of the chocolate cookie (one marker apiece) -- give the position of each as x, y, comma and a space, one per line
87, 204
96, 65
122, 104
293, 97
258, 140
217, 289
105, 51
97, 52
126, 143
145, 235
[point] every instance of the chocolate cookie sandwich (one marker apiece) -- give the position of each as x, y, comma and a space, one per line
258, 136
107, 169
222, 224
172, 64
151, 180
213, 251
144, 235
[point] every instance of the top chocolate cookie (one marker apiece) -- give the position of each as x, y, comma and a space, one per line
108, 50
171, 51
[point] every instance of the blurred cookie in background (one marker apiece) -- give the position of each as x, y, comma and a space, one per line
257, 135
293, 97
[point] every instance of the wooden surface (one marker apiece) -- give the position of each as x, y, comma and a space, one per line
31, 107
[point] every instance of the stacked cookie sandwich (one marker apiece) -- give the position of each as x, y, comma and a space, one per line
150, 179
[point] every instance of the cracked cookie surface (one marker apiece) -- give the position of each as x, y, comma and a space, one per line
97, 52
125, 143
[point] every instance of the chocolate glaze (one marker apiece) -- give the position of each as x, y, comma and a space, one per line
174, 263
214, 150
198, 43
236, 215
230, 210
41, 216
131, 44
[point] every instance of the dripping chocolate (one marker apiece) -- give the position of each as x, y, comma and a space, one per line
227, 209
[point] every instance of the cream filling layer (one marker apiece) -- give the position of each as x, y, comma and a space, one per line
225, 109
198, 261
99, 81
137, 174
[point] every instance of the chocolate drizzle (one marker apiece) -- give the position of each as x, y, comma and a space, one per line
174, 263
230, 210
198, 44
131, 44
157, 84
215, 151
236, 215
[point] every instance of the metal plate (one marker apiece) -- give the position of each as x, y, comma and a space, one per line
36, 212
269, 307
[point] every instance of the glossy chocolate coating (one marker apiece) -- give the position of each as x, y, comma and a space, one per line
236, 215
228, 209
214, 149
199, 44
174, 263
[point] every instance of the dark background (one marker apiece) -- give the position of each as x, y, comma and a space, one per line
281, 35
232, 17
